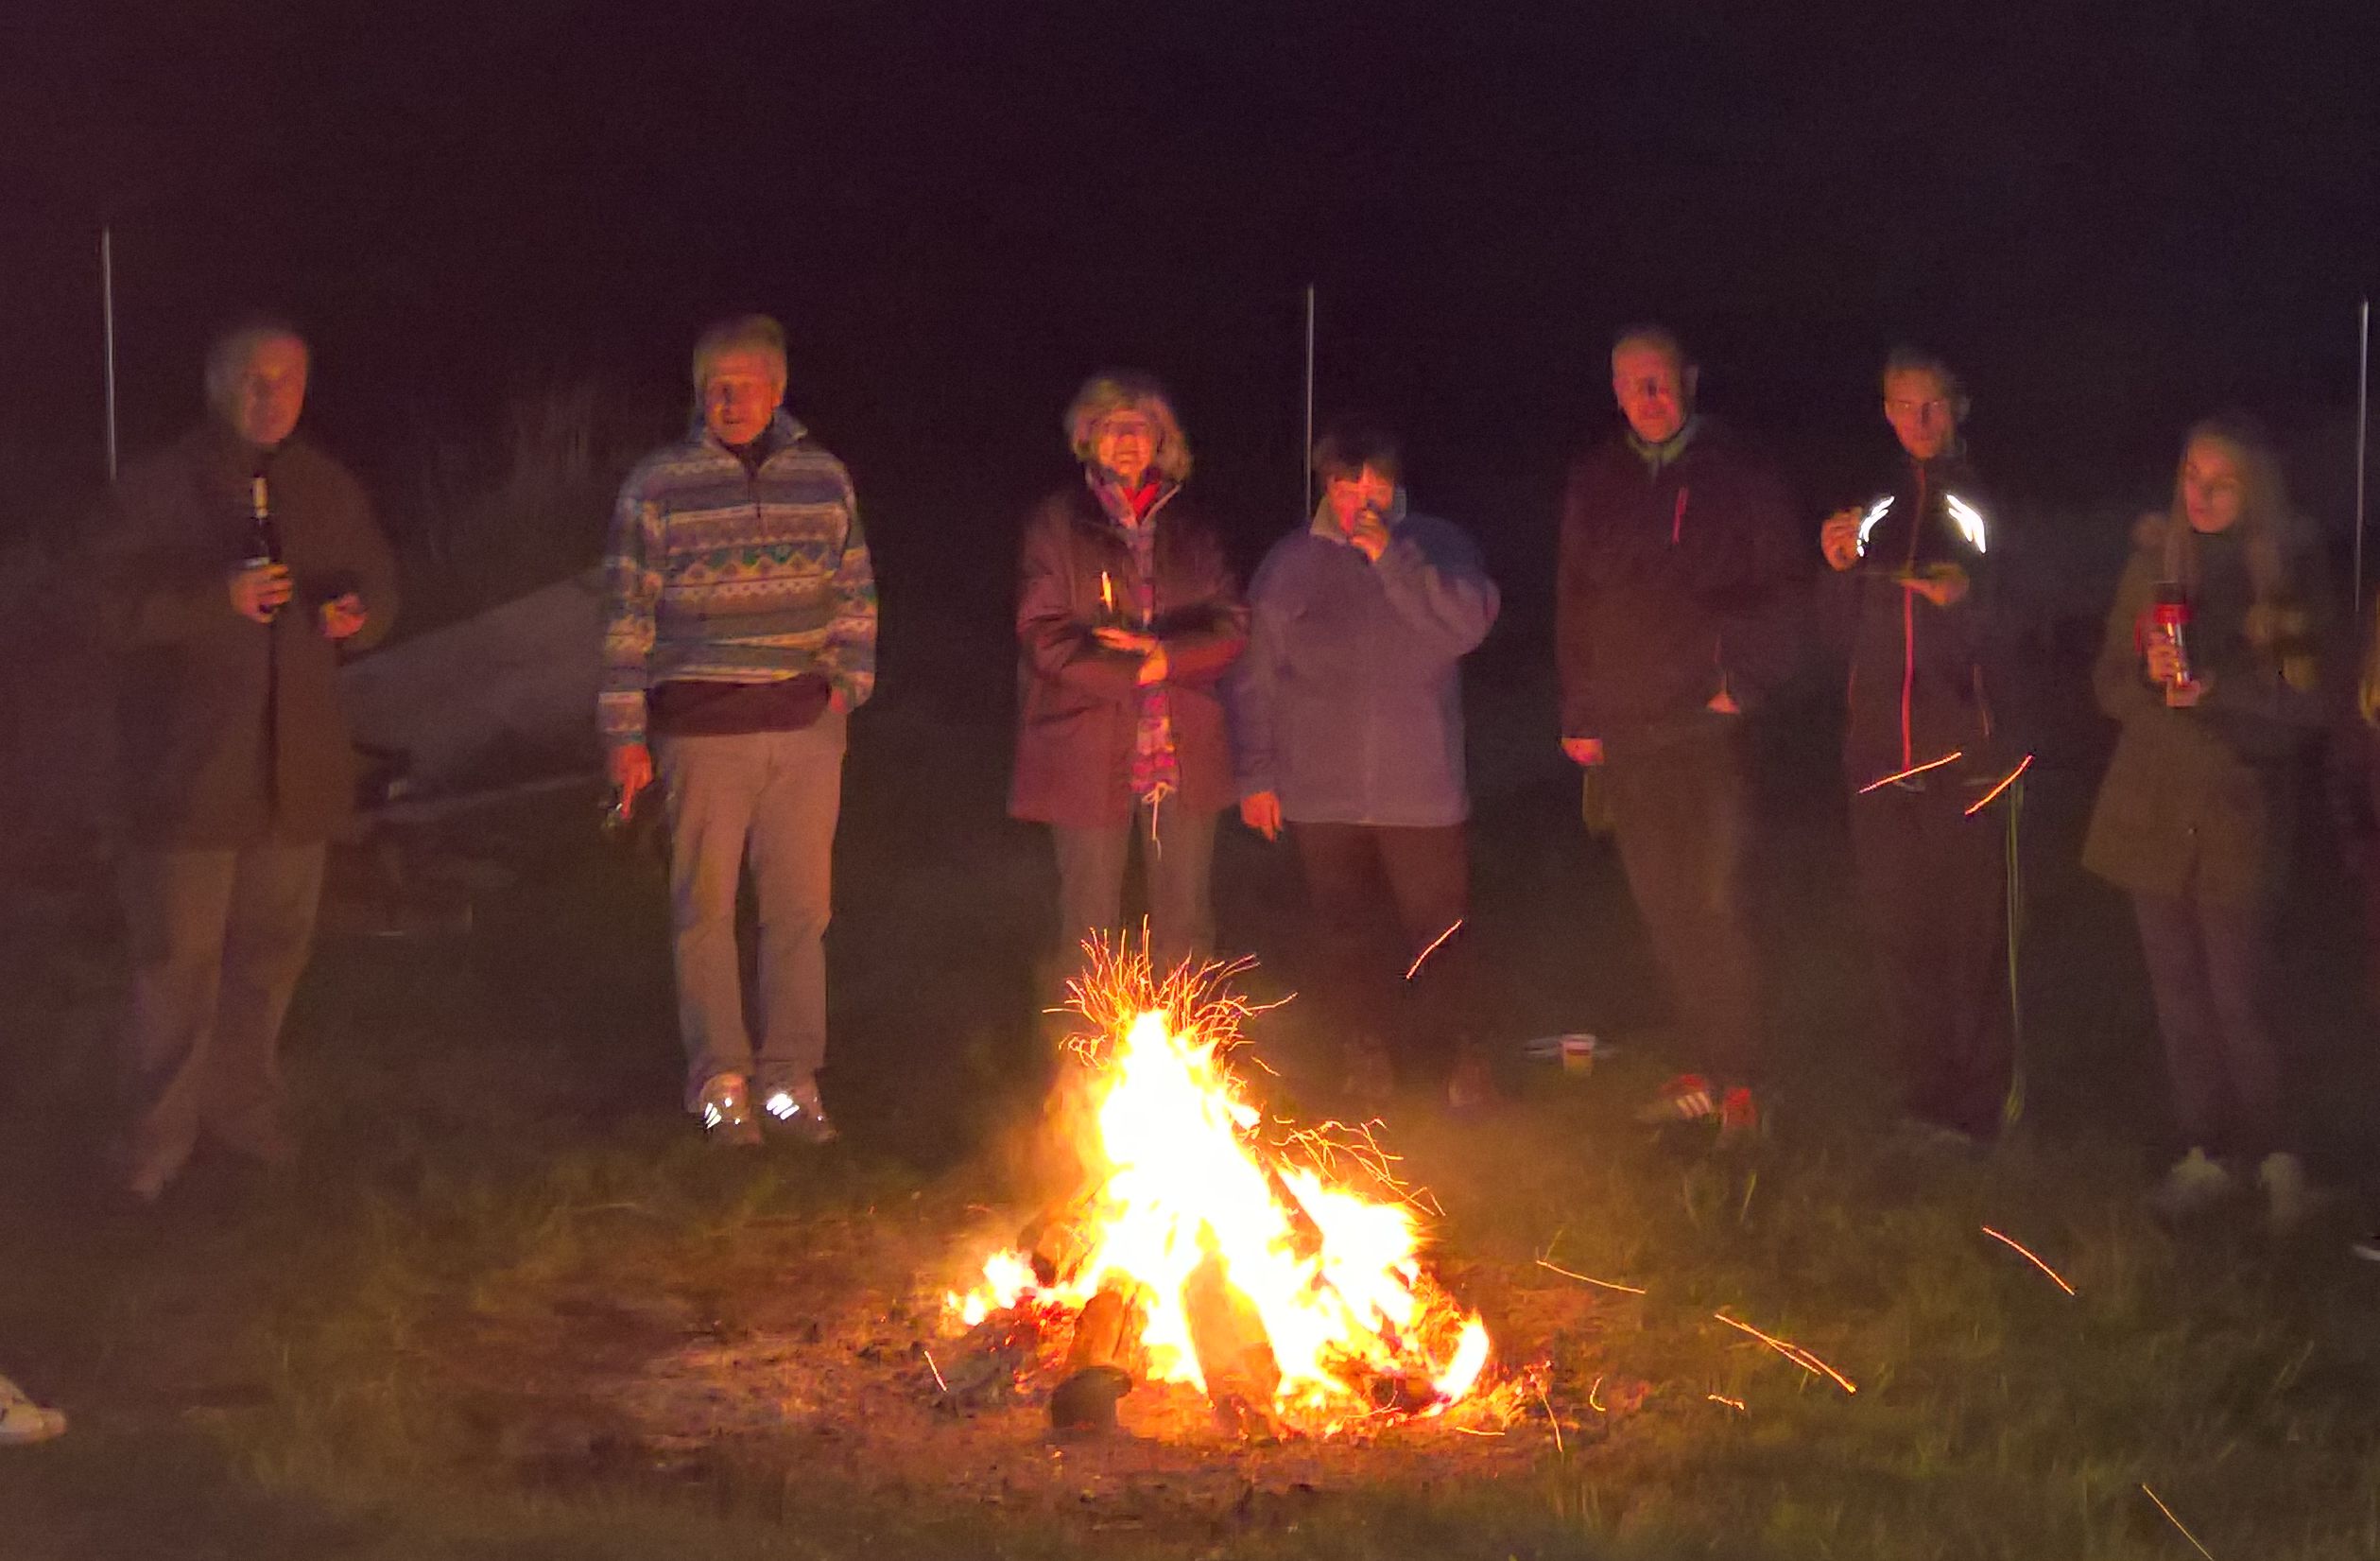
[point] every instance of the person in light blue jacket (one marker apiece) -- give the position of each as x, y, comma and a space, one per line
1348, 732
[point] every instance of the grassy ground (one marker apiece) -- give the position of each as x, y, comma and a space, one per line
416, 1344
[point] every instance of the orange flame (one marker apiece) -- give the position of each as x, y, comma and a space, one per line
1184, 1178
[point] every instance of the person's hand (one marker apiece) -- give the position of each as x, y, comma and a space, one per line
259, 590
1261, 812
342, 617
2164, 660
1370, 535
1587, 751
1838, 539
1130, 641
2181, 696
1154, 666
1943, 587
630, 769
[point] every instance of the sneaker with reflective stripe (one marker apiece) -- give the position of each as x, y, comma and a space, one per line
1687, 1098
1739, 1119
798, 1111
726, 1111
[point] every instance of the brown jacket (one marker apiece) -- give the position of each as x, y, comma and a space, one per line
1078, 701
2198, 800
230, 729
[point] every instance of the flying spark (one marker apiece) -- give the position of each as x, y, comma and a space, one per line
2177, 1522
2009, 779
1918, 770
1589, 1279
1792, 1352
2025, 1252
1412, 969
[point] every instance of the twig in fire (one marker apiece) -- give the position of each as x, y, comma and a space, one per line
1792, 1352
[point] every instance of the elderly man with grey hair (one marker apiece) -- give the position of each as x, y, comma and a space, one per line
740, 633
237, 568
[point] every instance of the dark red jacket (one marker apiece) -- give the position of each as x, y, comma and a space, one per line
230, 729
1675, 583
1078, 702
1923, 678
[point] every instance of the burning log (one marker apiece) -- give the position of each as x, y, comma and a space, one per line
1103, 1359
1234, 1353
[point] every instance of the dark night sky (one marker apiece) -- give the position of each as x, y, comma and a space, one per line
2116, 215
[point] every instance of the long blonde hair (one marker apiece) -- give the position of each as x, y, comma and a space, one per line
2279, 621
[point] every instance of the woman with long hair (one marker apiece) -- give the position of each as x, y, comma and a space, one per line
2211, 662
1128, 616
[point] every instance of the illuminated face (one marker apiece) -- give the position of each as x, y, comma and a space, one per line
1654, 389
2213, 485
1351, 496
1124, 442
1923, 414
262, 400
742, 392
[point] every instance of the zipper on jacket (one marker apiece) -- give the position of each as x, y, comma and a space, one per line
1909, 621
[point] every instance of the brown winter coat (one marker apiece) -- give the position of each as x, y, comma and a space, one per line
230, 729
2198, 800
1078, 701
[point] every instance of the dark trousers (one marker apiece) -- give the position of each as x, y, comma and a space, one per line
1933, 885
216, 940
1177, 858
2208, 966
1682, 814
1365, 943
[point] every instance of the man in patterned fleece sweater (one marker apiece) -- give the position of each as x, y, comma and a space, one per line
739, 634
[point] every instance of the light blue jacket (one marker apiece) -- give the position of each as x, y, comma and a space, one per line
1348, 704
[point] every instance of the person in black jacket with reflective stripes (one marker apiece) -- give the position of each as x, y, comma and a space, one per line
1932, 769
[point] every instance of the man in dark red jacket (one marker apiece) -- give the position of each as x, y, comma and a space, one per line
1929, 758
1678, 613
237, 569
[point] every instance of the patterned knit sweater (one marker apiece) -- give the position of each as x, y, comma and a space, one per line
724, 575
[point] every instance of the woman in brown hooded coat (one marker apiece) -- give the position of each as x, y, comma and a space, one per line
2194, 817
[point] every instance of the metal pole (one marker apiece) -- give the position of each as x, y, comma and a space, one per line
2363, 432
107, 318
1305, 495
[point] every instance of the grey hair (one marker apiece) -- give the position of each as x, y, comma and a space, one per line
746, 333
232, 346
1119, 389
1660, 337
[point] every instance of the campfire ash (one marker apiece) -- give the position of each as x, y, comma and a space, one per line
1277, 1270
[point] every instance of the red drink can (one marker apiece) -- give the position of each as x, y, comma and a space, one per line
2171, 614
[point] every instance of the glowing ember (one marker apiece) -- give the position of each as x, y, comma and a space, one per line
1244, 1243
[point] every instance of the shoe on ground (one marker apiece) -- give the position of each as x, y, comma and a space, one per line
24, 1422
1740, 1123
726, 1110
1471, 1085
2194, 1186
796, 1111
1687, 1098
2289, 1198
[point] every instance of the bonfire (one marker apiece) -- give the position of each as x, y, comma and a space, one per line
1276, 1269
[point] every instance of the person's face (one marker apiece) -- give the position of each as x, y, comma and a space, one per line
1124, 442
262, 400
1918, 406
2213, 486
1351, 496
741, 394
1655, 390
